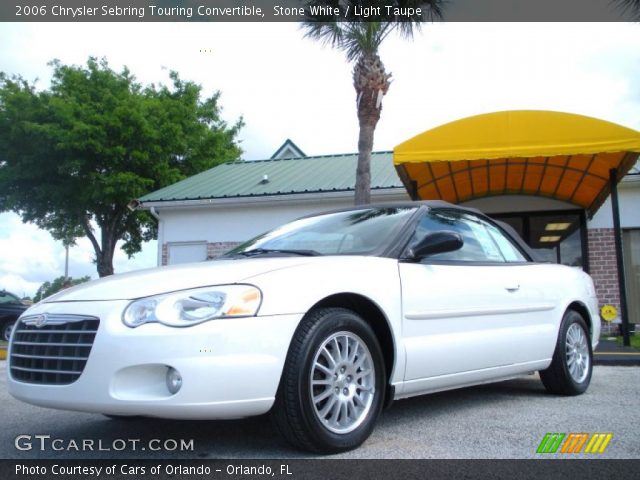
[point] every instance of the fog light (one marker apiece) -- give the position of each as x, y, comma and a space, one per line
174, 380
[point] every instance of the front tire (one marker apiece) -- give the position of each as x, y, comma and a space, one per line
7, 328
332, 387
572, 364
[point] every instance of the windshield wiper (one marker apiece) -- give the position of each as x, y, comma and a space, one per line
263, 251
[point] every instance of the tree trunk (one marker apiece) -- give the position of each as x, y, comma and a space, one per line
371, 83
368, 116
104, 258
108, 240
363, 172
105, 263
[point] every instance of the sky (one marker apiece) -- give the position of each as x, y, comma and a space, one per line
285, 86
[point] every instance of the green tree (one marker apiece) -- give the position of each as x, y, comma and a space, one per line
49, 288
360, 40
72, 157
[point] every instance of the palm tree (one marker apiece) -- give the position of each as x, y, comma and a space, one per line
360, 38
632, 7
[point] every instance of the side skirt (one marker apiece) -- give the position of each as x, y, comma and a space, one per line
466, 379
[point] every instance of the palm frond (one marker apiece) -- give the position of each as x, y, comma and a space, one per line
357, 35
354, 38
328, 33
630, 7
364, 38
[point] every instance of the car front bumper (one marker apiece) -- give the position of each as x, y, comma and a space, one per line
230, 368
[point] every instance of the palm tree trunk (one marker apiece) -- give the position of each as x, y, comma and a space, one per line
363, 172
371, 83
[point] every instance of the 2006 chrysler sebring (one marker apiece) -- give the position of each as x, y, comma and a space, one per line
322, 321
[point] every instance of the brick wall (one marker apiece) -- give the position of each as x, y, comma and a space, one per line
165, 254
218, 248
603, 267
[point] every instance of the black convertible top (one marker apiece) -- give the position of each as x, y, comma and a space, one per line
438, 204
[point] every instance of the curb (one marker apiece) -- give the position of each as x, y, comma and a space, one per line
610, 353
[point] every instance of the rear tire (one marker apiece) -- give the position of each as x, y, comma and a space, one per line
332, 387
572, 364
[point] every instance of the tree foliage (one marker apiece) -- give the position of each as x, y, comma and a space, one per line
355, 34
74, 156
49, 288
630, 8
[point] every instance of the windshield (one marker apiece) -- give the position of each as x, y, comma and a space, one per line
354, 232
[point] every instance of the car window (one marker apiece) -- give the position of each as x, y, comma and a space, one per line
6, 297
479, 244
509, 251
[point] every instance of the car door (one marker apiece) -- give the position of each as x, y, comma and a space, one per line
465, 310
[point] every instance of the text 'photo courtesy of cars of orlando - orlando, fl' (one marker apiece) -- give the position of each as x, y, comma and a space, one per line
321, 322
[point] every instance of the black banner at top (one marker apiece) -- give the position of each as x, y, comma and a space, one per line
320, 10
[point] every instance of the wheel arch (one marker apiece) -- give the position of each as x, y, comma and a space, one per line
581, 309
375, 317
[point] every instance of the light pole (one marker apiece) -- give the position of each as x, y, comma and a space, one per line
66, 262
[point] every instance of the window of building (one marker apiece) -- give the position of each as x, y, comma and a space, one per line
557, 237
186, 252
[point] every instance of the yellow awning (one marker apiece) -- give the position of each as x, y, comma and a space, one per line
552, 154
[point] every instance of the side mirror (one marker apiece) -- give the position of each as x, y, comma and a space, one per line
437, 242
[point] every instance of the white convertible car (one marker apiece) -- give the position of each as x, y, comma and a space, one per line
322, 322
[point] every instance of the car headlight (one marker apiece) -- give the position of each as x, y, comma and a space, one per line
191, 307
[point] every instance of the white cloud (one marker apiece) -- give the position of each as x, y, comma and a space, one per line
30, 256
286, 86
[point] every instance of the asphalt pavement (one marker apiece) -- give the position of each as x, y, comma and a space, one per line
503, 420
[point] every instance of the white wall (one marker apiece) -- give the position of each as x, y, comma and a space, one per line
230, 224
629, 201
517, 203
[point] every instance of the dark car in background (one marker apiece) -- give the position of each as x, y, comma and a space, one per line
11, 307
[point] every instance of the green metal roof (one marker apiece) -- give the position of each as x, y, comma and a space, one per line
330, 173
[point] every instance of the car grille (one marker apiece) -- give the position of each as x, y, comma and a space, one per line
51, 349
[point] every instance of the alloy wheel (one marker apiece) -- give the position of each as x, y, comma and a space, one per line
342, 382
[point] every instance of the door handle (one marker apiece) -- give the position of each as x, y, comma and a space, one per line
512, 288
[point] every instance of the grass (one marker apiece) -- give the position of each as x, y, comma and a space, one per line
635, 341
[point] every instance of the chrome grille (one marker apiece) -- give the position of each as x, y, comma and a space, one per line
51, 349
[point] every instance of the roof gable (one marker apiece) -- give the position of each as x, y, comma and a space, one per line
288, 150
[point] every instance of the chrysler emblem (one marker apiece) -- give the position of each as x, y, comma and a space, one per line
40, 321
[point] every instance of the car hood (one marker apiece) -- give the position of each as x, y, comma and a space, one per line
143, 283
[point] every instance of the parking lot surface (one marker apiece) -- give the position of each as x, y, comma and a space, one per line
503, 420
